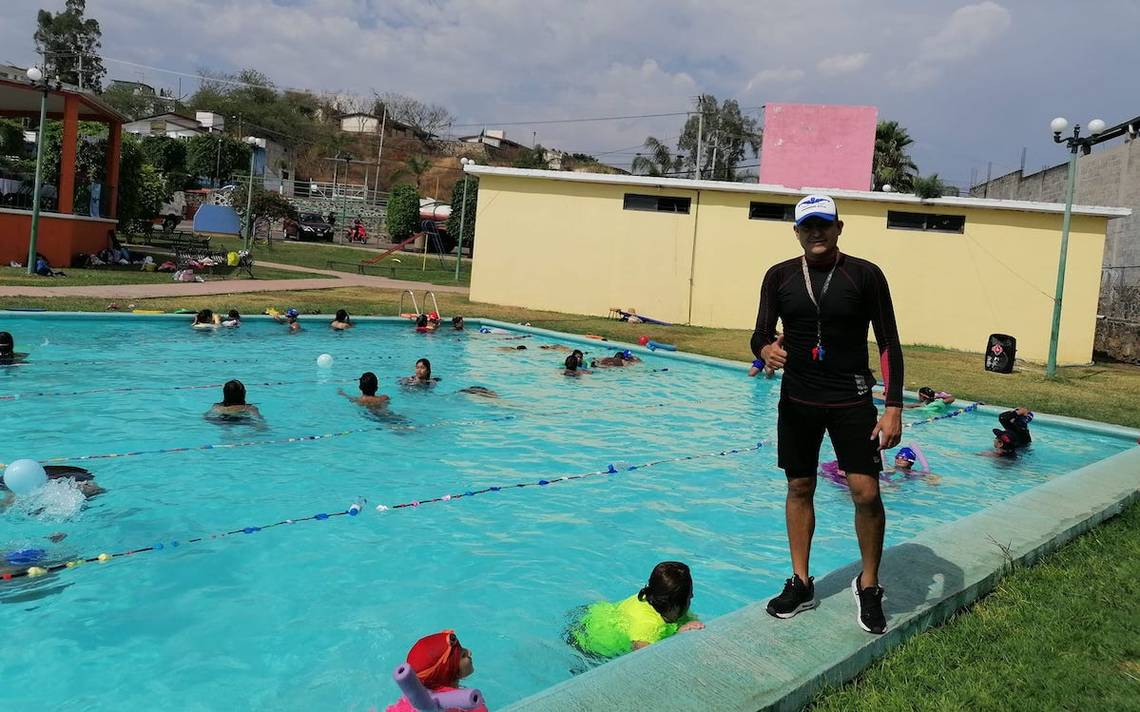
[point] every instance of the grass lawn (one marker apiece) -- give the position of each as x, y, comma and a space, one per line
1051, 637
1061, 635
318, 255
18, 277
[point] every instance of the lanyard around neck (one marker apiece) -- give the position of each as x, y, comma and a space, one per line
818, 351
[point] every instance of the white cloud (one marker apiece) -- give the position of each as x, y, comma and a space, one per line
781, 75
843, 63
969, 31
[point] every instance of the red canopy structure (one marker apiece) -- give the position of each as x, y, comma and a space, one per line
62, 233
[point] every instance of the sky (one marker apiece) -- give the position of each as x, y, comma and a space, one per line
973, 83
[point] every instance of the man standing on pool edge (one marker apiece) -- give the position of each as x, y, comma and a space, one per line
825, 300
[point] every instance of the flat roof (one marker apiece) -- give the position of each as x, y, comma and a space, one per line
761, 188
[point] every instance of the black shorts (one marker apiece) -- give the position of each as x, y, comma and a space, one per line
800, 433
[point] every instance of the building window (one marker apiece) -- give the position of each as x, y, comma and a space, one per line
656, 203
898, 220
771, 211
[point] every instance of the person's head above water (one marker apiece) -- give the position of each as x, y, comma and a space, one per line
926, 394
7, 344
422, 320
440, 661
457, 323
234, 315
368, 383
670, 590
1004, 443
233, 393
204, 317
423, 369
342, 316
572, 362
905, 458
818, 228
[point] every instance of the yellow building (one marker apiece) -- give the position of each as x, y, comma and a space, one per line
695, 252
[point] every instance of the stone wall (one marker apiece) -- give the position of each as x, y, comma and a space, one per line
1109, 177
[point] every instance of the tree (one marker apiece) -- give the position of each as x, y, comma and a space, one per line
428, 118
892, 164
929, 187
252, 105
11, 138
658, 160
168, 156
216, 156
532, 158
70, 43
265, 204
142, 190
458, 216
726, 136
131, 100
414, 166
403, 213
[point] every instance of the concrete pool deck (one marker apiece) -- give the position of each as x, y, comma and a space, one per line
747, 660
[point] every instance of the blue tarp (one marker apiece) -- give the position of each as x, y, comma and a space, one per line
217, 220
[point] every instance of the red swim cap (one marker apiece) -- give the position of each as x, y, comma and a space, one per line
435, 658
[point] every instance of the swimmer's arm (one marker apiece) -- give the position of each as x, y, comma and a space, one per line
638, 644
340, 392
691, 625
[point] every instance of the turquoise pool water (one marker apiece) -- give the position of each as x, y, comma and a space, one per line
315, 615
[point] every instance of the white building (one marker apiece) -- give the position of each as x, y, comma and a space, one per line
359, 123
168, 124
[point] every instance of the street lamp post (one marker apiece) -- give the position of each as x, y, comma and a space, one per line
1076, 145
37, 77
249, 195
462, 216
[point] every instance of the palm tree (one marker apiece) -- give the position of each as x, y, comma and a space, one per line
928, 187
414, 166
892, 164
659, 162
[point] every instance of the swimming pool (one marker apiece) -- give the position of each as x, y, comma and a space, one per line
318, 613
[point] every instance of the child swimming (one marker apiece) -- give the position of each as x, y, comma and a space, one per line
572, 366
232, 320
367, 398
289, 319
659, 610
422, 376
932, 400
8, 353
439, 662
457, 323
1013, 435
232, 407
618, 360
206, 319
342, 321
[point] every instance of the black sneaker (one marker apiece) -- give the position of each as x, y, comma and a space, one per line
796, 598
869, 604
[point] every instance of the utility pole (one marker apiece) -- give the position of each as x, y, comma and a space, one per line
700, 133
380, 151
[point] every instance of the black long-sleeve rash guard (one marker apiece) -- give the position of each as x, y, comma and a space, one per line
858, 295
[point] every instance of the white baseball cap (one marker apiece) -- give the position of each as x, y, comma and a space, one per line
816, 206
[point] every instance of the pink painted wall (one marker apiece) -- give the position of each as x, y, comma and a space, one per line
818, 146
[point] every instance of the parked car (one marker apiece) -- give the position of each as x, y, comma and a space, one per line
308, 226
